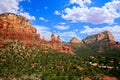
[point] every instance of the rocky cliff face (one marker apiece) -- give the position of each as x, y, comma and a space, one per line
103, 36
102, 41
14, 26
75, 40
115, 45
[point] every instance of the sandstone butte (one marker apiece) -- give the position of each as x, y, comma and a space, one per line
13, 26
75, 40
104, 38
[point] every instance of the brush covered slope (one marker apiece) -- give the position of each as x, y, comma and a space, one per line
25, 63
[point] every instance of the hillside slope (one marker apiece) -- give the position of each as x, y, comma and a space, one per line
23, 63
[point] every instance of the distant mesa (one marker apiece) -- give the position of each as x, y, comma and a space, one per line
103, 36
102, 40
75, 40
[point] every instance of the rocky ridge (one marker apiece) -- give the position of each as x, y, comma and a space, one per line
103, 36
75, 40
102, 40
13, 26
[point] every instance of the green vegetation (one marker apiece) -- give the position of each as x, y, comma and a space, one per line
32, 63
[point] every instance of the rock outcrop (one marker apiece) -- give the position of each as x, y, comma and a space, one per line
55, 44
103, 36
14, 27
115, 45
102, 41
75, 40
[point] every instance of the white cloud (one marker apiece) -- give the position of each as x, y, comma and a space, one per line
115, 30
12, 6
62, 23
75, 14
104, 16
57, 13
27, 15
82, 3
9, 6
43, 19
76, 30
43, 31
61, 27
115, 4
96, 15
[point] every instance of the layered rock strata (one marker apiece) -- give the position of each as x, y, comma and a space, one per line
14, 26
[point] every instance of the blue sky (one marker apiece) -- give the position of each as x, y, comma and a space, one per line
68, 18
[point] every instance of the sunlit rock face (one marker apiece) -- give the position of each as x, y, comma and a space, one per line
102, 40
13, 26
56, 45
103, 36
75, 40
16, 26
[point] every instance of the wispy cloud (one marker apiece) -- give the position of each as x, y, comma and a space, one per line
43, 19
61, 27
82, 3
62, 23
28, 16
57, 13
43, 31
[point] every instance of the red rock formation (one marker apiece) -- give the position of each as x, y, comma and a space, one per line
56, 45
14, 26
53, 38
37, 36
103, 36
115, 45
87, 78
103, 39
58, 40
75, 40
